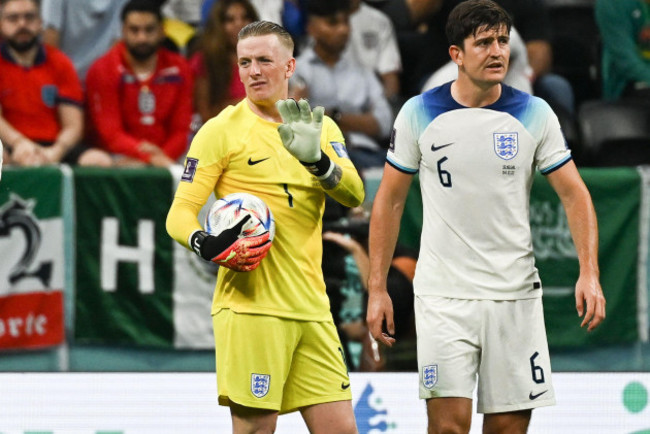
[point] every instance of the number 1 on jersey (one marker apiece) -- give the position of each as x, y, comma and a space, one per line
289, 196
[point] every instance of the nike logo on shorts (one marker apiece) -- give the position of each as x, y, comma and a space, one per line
252, 162
435, 148
345, 386
532, 397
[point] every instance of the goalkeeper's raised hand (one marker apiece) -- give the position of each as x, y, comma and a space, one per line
300, 133
229, 250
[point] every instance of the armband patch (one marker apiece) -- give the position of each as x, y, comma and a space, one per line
190, 169
340, 149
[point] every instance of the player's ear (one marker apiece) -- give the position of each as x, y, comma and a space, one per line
456, 54
290, 67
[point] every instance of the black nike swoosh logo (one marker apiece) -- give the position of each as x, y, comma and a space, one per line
531, 396
252, 162
345, 386
435, 148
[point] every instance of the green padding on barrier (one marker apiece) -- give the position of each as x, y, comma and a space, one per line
616, 194
124, 257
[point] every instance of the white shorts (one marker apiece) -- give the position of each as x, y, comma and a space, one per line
503, 342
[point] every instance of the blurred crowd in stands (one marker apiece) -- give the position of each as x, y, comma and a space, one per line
115, 83
128, 83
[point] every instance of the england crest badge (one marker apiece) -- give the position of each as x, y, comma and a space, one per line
260, 384
506, 145
430, 376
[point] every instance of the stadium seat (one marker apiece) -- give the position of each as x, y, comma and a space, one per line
569, 126
576, 46
615, 133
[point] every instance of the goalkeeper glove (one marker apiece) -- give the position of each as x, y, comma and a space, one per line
300, 133
229, 250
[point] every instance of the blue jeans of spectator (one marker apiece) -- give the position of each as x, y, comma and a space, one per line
556, 91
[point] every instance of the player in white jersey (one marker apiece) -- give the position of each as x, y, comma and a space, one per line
476, 144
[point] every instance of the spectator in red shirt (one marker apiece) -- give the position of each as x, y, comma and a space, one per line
41, 100
139, 94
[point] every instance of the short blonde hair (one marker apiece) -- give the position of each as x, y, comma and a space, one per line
263, 28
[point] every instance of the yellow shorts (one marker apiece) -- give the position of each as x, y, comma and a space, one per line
277, 363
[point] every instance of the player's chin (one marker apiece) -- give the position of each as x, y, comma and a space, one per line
495, 75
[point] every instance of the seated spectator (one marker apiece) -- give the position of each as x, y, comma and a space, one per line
420, 31
216, 73
41, 100
531, 18
82, 29
519, 70
374, 44
351, 93
140, 94
625, 31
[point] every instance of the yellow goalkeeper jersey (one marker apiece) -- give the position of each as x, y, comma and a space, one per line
238, 151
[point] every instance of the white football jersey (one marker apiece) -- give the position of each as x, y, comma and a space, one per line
476, 169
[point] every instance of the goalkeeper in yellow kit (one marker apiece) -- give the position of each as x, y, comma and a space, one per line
277, 349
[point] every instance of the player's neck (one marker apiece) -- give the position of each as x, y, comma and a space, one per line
25, 59
471, 94
266, 112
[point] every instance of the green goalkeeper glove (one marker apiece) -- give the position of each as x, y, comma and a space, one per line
300, 134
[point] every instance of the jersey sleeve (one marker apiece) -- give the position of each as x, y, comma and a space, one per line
69, 86
552, 150
404, 151
349, 191
203, 167
390, 59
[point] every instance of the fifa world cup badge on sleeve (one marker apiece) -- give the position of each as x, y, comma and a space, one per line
430, 376
260, 384
340, 150
190, 169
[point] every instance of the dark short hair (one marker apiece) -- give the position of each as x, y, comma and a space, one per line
263, 28
326, 8
151, 6
471, 16
36, 2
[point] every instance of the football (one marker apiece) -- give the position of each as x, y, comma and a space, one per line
229, 209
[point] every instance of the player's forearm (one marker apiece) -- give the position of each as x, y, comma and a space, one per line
182, 220
345, 186
583, 225
385, 218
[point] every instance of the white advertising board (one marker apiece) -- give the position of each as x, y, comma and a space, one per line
173, 403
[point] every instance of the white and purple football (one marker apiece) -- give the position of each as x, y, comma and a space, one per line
231, 208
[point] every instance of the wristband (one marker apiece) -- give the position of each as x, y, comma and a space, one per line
196, 240
320, 168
